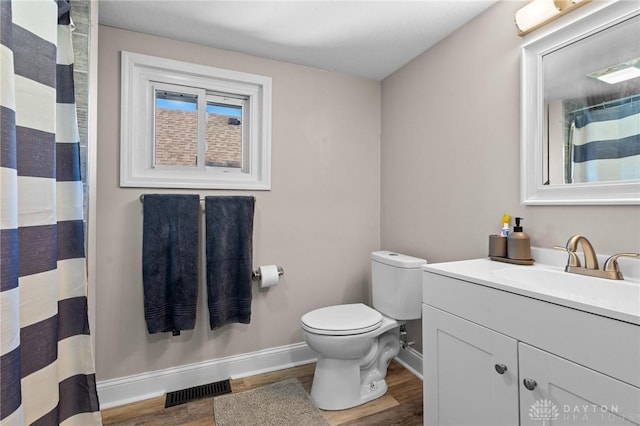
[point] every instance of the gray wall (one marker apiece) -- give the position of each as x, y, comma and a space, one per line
450, 154
320, 221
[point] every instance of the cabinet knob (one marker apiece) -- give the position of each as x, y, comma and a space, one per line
501, 368
529, 384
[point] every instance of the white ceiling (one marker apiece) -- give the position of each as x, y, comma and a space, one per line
367, 38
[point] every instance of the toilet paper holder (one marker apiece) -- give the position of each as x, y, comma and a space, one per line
255, 274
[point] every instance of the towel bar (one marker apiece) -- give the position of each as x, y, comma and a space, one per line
256, 273
201, 198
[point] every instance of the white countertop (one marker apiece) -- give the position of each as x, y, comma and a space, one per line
617, 299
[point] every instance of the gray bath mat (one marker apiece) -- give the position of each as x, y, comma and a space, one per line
282, 404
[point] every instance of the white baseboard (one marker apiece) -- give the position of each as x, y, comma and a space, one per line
411, 359
125, 390
138, 387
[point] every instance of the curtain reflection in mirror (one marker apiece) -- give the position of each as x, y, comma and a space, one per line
592, 100
604, 143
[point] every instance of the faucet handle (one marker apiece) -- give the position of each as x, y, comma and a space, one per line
573, 256
611, 264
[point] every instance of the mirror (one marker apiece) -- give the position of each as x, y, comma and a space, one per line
580, 141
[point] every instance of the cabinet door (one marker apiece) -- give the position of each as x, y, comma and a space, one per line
560, 392
462, 382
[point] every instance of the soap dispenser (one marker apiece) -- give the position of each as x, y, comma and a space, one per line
518, 243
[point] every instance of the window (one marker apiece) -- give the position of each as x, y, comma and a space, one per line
192, 126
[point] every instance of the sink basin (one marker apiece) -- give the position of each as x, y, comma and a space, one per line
616, 295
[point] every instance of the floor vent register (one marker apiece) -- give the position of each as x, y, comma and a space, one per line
190, 394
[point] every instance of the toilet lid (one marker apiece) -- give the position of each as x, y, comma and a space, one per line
342, 320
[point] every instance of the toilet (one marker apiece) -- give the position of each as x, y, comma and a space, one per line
354, 342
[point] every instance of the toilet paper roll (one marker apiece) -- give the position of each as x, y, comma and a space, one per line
268, 276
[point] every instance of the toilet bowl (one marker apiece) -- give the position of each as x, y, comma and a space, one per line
355, 342
350, 369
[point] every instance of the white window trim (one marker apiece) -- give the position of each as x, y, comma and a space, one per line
139, 75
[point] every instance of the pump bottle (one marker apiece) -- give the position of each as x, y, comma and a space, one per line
518, 243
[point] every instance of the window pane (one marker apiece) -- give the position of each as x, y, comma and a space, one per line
176, 131
224, 135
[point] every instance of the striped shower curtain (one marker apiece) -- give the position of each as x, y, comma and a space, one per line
47, 373
605, 142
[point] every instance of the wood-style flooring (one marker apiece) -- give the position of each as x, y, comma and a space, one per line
401, 405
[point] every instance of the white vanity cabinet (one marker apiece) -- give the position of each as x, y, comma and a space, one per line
470, 372
565, 393
493, 355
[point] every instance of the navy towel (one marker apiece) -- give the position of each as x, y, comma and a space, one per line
229, 227
170, 261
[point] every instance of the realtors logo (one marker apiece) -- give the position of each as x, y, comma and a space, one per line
543, 410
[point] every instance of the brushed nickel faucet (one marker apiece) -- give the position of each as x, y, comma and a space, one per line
610, 270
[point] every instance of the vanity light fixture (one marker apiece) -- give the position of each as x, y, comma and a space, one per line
540, 12
618, 73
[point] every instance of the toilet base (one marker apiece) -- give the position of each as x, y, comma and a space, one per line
339, 384
336, 385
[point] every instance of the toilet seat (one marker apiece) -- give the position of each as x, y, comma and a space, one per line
342, 320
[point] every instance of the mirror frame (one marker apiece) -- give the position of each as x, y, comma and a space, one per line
590, 19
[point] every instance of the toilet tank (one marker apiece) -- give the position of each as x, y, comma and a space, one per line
396, 284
